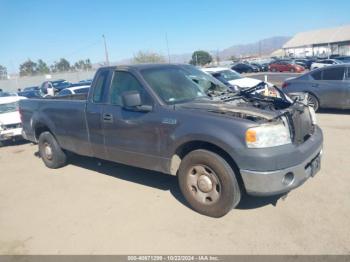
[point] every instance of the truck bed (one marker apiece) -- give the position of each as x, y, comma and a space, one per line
64, 115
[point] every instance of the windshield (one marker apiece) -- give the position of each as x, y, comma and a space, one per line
207, 82
228, 75
9, 107
173, 84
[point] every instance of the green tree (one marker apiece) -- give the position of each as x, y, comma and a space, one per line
83, 65
201, 57
42, 67
61, 66
28, 68
3, 72
148, 57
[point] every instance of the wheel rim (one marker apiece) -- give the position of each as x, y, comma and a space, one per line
204, 184
311, 101
48, 151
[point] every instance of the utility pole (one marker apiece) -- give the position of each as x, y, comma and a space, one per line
167, 46
260, 48
106, 51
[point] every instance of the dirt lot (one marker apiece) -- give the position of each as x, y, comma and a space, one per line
89, 207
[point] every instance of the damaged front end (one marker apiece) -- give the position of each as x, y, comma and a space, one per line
278, 111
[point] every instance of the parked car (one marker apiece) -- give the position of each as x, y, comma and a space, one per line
302, 62
325, 62
74, 90
52, 87
31, 88
344, 59
6, 94
244, 68
327, 87
284, 66
30, 94
171, 120
231, 78
10, 121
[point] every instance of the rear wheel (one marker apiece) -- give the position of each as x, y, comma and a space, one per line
50, 151
313, 102
274, 70
208, 183
292, 70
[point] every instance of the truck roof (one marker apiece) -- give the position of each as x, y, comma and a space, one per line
141, 66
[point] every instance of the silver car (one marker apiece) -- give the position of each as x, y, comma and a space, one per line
327, 87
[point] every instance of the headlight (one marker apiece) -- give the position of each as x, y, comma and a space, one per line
268, 136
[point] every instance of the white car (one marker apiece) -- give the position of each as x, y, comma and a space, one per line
74, 90
325, 62
10, 120
235, 81
230, 76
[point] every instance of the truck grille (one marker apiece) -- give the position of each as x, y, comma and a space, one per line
303, 127
12, 126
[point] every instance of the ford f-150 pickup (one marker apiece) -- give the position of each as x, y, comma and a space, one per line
179, 120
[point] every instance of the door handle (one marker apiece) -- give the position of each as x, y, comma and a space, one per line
315, 85
107, 118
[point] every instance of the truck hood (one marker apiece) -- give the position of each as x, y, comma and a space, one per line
10, 118
241, 111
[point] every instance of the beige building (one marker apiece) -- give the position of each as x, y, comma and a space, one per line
323, 42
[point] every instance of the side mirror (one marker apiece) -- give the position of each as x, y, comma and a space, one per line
132, 101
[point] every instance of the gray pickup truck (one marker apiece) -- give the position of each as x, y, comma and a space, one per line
179, 120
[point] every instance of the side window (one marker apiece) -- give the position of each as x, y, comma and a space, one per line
124, 82
317, 75
99, 87
333, 73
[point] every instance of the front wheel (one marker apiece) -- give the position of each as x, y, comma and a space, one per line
208, 183
313, 102
50, 151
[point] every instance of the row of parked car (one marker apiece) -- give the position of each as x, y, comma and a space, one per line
59, 87
297, 65
10, 120
326, 87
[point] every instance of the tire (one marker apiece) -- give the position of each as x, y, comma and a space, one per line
273, 70
50, 152
292, 70
208, 183
313, 102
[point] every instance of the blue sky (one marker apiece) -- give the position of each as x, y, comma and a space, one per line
72, 29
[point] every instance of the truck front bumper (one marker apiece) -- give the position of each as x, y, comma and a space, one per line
265, 183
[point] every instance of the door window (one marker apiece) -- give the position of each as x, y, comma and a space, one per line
336, 73
123, 82
99, 87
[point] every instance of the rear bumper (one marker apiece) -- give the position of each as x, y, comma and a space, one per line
273, 182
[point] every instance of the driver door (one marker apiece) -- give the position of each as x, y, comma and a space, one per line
131, 137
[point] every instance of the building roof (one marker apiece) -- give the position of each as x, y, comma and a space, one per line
321, 36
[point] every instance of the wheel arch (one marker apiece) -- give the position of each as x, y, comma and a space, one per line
189, 146
40, 128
